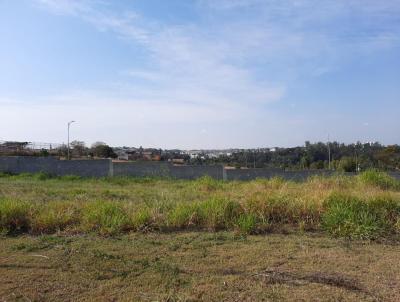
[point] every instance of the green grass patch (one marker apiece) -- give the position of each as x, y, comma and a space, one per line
105, 218
366, 206
379, 179
54, 216
14, 216
349, 216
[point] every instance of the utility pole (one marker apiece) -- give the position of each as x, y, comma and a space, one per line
356, 154
329, 153
69, 124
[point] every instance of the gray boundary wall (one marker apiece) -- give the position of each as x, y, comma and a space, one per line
395, 175
50, 165
105, 167
193, 172
141, 169
249, 174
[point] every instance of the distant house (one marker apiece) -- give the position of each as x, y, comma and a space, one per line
122, 155
178, 161
149, 155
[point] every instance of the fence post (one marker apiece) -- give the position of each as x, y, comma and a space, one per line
111, 168
224, 174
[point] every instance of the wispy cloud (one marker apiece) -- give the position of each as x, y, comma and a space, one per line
187, 63
221, 62
220, 73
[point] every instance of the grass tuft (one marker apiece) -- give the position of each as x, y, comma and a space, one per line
54, 216
246, 223
105, 218
379, 179
366, 207
14, 216
349, 216
219, 213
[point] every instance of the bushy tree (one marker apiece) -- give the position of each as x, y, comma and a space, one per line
100, 149
78, 148
347, 164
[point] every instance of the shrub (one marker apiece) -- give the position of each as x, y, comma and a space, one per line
397, 225
54, 216
246, 223
216, 213
184, 215
106, 218
208, 183
14, 216
142, 219
42, 176
71, 177
378, 179
348, 216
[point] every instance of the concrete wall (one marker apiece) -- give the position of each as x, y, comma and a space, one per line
163, 169
249, 174
22, 164
395, 175
193, 172
84, 168
141, 169
105, 167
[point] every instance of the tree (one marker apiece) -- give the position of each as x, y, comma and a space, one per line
347, 164
78, 148
100, 149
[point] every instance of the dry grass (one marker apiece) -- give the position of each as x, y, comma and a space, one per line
366, 207
122, 239
197, 266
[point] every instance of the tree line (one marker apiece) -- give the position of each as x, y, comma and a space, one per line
334, 156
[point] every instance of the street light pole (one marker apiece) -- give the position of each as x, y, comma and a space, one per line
329, 152
69, 124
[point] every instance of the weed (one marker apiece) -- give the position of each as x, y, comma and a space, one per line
106, 218
70, 177
184, 215
42, 176
14, 216
217, 213
368, 206
54, 216
141, 219
379, 179
348, 216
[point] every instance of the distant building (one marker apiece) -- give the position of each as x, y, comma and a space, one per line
148, 155
178, 161
122, 155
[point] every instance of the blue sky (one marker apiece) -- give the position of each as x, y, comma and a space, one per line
200, 74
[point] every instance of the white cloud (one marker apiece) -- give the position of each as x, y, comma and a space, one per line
187, 64
220, 77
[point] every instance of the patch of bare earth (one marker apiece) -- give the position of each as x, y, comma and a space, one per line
197, 266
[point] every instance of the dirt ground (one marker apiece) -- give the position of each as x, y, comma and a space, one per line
197, 266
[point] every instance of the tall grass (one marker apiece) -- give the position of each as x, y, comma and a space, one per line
364, 207
14, 216
54, 217
379, 179
106, 218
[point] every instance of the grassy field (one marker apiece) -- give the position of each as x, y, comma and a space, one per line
126, 239
363, 207
197, 266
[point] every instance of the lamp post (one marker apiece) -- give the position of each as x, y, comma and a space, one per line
329, 152
69, 124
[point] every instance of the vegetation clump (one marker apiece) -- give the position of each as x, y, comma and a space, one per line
362, 207
14, 216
